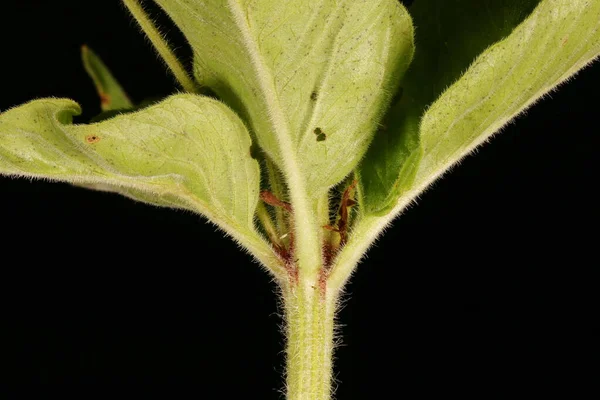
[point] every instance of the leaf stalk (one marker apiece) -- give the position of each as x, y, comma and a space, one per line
161, 45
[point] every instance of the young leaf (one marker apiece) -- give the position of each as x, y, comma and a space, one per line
187, 152
311, 77
112, 95
449, 36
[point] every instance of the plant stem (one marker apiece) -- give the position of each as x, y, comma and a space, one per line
267, 224
309, 313
278, 189
160, 44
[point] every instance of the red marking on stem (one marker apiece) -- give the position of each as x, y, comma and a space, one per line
328, 253
329, 250
285, 254
345, 204
271, 200
292, 273
322, 284
331, 228
104, 99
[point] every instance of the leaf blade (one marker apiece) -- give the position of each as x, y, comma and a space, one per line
553, 43
294, 62
268, 60
111, 93
585, 48
186, 152
449, 36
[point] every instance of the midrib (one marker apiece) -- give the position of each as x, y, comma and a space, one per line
308, 249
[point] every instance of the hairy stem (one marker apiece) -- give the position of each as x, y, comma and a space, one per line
309, 313
160, 44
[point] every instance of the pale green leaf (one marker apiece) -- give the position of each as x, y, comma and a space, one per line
515, 68
312, 78
449, 36
187, 152
554, 42
112, 96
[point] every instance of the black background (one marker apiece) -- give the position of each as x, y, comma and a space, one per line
481, 290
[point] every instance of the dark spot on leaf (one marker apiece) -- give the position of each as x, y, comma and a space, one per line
313, 96
320, 134
92, 139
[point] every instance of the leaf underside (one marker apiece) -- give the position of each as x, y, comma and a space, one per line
186, 152
310, 82
453, 100
311, 78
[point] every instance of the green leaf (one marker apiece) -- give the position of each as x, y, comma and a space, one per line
449, 36
559, 38
390, 165
311, 78
112, 95
186, 152
516, 68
